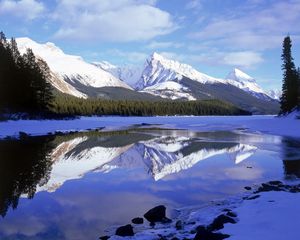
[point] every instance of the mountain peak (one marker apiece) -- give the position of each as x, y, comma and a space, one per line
156, 55
238, 75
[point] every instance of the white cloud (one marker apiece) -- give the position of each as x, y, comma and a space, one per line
158, 45
26, 9
193, 4
118, 21
258, 29
132, 57
243, 59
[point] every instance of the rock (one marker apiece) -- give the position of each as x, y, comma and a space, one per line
252, 197
124, 231
277, 183
137, 220
231, 214
267, 188
219, 222
23, 135
157, 214
179, 225
205, 234
248, 188
161, 237
294, 189
104, 237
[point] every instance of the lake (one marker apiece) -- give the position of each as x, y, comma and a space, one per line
81, 185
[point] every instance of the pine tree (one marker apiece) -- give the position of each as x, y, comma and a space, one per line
289, 96
298, 73
24, 80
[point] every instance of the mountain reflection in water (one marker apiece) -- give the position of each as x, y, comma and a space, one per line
161, 166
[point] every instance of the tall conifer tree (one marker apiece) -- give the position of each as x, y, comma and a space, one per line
289, 98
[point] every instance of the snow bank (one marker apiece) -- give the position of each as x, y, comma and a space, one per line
274, 215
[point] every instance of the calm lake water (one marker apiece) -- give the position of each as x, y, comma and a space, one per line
78, 185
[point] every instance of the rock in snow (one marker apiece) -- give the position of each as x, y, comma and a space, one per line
157, 214
125, 231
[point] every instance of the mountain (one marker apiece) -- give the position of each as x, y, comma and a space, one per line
248, 84
275, 94
71, 74
126, 73
174, 80
159, 156
158, 78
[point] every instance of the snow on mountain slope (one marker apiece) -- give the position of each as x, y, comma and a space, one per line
275, 94
72, 69
127, 73
164, 155
243, 81
163, 76
159, 157
160, 69
168, 158
171, 90
68, 165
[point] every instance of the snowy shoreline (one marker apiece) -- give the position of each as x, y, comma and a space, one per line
267, 211
284, 126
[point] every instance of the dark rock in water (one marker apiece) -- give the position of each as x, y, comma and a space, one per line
265, 187
294, 189
219, 222
231, 214
277, 183
179, 225
174, 238
157, 214
104, 237
161, 237
124, 231
146, 124
137, 220
252, 197
226, 210
23, 135
204, 233
248, 188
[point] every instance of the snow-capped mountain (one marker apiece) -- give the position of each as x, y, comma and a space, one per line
159, 156
160, 74
243, 81
127, 73
71, 72
158, 77
275, 94
159, 69
69, 164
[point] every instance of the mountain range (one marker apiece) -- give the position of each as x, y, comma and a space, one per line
159, 78
157, 156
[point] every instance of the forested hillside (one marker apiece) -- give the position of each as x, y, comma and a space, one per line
69, 105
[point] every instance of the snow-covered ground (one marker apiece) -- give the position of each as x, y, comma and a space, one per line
274, 215
283, 126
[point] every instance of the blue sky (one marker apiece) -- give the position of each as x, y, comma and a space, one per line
212, 35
